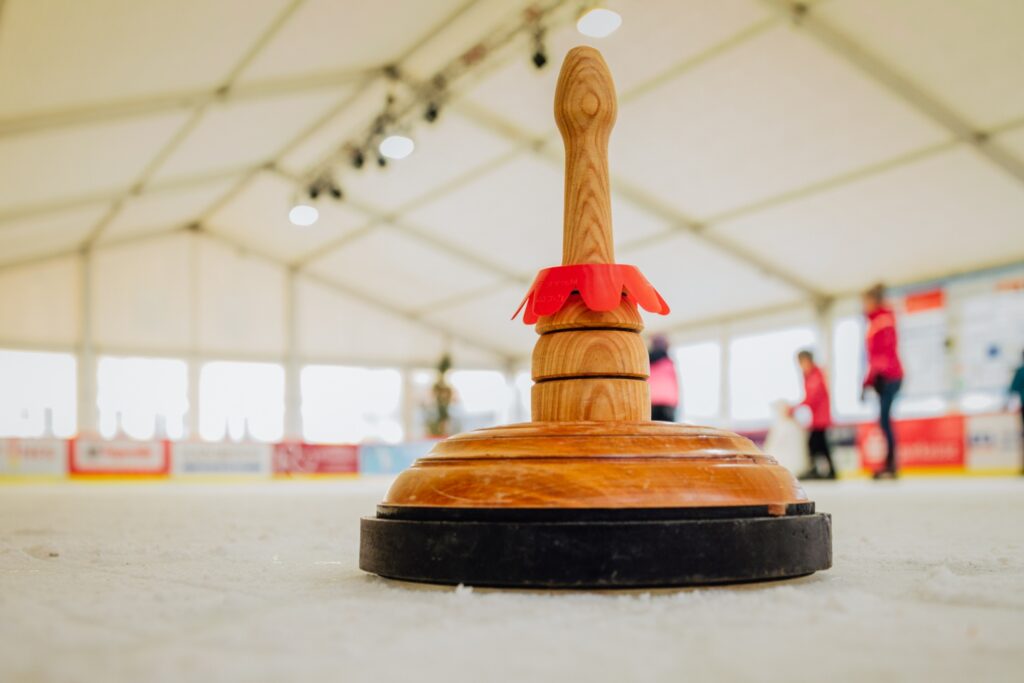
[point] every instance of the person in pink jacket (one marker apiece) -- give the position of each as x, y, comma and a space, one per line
663, 380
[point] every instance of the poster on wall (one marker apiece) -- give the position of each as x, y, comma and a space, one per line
33, 457
93, 456
994, 443
201, 458
991, 337
929, 442
923, 334
307, 458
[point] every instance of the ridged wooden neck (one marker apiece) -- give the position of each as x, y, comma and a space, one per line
588, 365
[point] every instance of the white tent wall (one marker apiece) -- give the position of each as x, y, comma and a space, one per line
190, 296
769, 158
39, 304
207, 301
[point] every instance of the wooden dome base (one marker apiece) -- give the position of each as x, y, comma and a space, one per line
595, 504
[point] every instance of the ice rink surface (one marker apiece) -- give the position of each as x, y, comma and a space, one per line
258, 582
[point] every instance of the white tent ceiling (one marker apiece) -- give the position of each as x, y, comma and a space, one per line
764, 157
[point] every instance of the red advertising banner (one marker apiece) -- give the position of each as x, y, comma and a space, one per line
119, 457
930, 442
307, 458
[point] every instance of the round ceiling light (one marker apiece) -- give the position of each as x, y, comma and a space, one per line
599, 22
397, 146
303, 214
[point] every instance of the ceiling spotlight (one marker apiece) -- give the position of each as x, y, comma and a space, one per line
358, 159
381, 161
598, 22
303, 214
431, 113
396, 146
335, 191
314, 191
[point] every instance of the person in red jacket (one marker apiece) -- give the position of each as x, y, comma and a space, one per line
816, 399
663, 381
885, 372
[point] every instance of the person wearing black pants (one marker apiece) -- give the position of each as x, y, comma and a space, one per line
885, 372
887, 390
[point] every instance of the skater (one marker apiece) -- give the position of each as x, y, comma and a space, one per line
663, 381
885, 372
1017, 387
816, 399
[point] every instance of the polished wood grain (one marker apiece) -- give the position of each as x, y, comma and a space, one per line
611, 399
597, 439
585, 110
588, 353
596, 370
575, 315
591, 443
596, 465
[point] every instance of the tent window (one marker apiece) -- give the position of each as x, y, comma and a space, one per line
483, 398
241, 401
142, 398
350, 404
763, 370
38, 396
699, 366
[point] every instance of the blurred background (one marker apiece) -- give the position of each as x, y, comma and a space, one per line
243, 236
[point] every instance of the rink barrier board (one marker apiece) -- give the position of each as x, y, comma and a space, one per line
987, 445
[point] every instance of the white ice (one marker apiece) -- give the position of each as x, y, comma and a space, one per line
179, 582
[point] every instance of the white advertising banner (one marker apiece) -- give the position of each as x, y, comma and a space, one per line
40, 457
994, 442
199, 458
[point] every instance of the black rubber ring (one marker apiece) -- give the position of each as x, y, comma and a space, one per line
597, 553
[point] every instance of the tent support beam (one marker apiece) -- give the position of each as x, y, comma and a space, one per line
148, 106
807, 19
378, 217
193, 120
545, 148
384, 306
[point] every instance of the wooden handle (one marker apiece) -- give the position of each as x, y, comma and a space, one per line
585, 111
588, 365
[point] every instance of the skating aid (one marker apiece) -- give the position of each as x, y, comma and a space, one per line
592, 493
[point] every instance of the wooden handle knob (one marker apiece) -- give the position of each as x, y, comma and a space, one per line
585, 111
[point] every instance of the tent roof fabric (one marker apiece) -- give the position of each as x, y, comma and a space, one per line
763, 157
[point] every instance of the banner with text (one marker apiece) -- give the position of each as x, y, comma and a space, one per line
199, 458
994, 442
307, 458
929, 442
34, 457
93, 456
